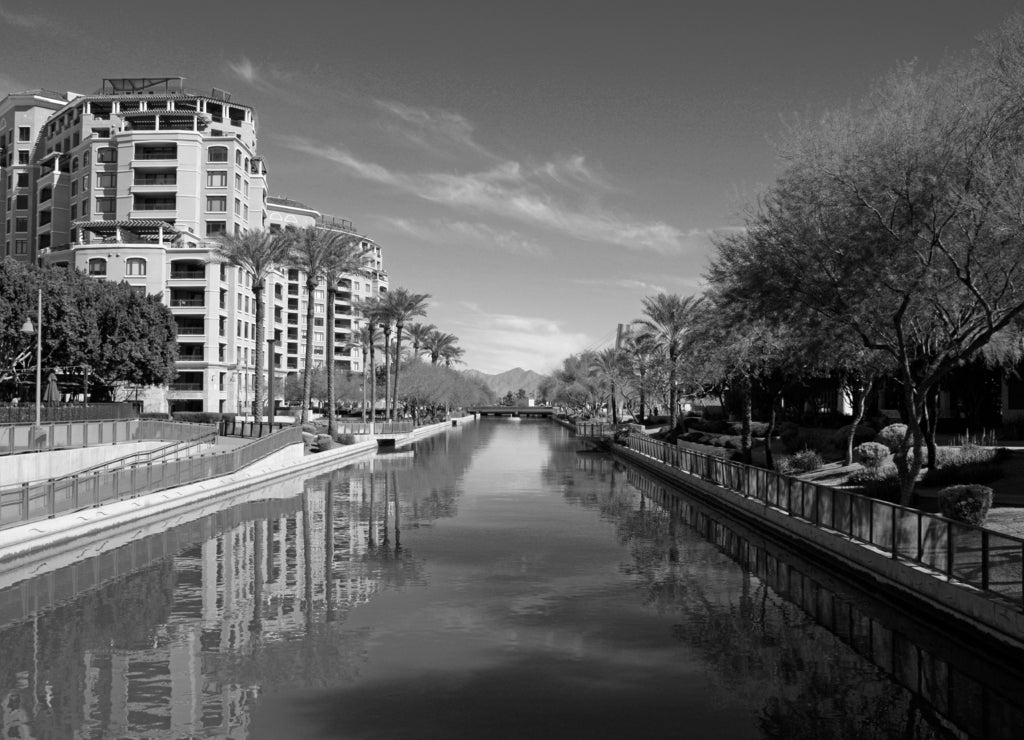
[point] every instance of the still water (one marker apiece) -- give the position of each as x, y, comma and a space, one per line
494, 582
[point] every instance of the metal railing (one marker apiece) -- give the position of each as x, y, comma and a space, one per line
46, 499
982, 558
235, 428
25, 412
17, 438
380, 427
594, 429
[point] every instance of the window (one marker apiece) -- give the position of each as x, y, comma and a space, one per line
85, 159
85, 208
139, 290
238, 158
105, 205
216, 203
21, 225
21, 202
74, 187
97, 266
217, 154
238, 207
23, 157
74, 164
319, 295
74, 211
20, 246
24, 133
106, 180
135, 266
106, 155
238, 181
245, 188
217, 179
216, 228
318, 336
22, 179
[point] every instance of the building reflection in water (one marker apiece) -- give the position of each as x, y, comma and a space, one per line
166, 639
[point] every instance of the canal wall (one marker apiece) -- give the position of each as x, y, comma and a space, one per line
431, 429
64, 535
35, 466
957, 603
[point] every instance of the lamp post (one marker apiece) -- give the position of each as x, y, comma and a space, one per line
27, 328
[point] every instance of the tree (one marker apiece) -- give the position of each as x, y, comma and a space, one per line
257, 252
439, 344
668, 318
640, 348
608, 367
899, 222
419, 335
373, 310
368, 337
344, 256
401, 307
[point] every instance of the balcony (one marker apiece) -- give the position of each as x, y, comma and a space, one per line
186, 274
191, 331
185, 386
191, 357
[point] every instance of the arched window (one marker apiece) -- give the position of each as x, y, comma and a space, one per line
135, 266
97, 266
85, 159
217, 154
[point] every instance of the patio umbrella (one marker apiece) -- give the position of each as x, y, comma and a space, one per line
52, 392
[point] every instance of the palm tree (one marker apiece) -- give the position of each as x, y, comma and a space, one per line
640, 348
257, 252
345, 257
402, 306
368, 336
438, 343
313, 251
607, 367
669, 318
452, 355
373, 310
418, 334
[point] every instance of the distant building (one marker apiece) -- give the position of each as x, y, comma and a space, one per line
135, 183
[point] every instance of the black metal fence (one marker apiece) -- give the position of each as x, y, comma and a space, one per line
45, 499
985, 559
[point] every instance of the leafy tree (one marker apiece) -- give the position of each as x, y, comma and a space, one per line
899, 222
258, 253
608, 368
418, 335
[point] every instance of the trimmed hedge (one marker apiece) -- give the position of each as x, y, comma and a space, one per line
892, 436
803, 461
968, 504
871, 454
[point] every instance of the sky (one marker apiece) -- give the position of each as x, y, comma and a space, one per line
537, 168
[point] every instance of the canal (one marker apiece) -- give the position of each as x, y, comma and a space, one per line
496, 581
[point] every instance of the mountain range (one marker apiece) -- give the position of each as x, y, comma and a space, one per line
509, 381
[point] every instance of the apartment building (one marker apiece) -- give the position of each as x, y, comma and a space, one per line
135, 183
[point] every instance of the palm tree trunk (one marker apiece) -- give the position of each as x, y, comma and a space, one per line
259, 394
387, 371
398, 362
672, 392
373, 385
364, 385
331, 294
307, 378
615, 414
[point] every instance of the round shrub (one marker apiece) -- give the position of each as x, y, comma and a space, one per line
345, 439
803, 461
892, 436
871, 454
968, 503
324, 442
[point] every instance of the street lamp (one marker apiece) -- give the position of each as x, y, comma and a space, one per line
27, 328
271, 343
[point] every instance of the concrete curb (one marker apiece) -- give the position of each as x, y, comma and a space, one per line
17, 543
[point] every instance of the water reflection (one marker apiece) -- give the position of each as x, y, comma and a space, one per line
569, 596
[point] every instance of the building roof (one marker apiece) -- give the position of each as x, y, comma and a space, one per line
287, 202
141, 226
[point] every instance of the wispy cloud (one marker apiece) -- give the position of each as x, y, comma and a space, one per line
22, 20
496, 342
265, 78
466, 233
623, 284
509, 191
434, 130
